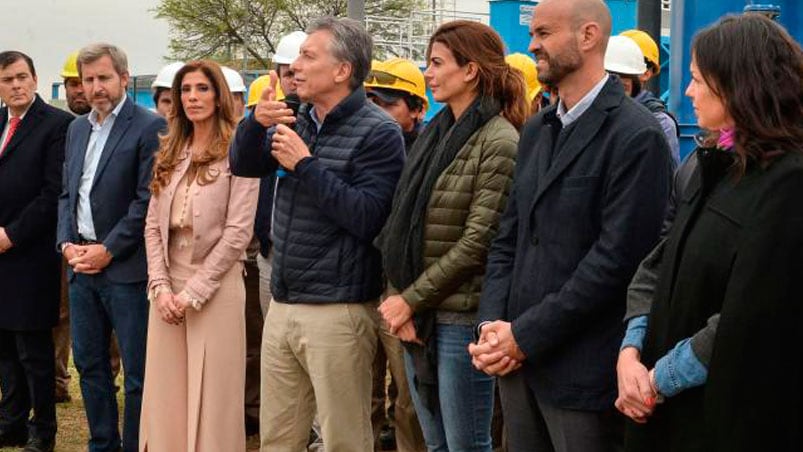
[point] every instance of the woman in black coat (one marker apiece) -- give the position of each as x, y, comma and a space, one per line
716, 364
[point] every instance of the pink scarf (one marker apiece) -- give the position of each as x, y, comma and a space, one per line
726, 138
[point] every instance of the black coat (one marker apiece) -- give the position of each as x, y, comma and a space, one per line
736, 248
570, 240
30, 180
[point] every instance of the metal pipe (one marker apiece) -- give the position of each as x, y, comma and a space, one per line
649, 20
356, 10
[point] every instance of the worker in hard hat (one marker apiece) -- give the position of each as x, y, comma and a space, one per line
237, 87
397, 85
625, 59
161, 88
652, 56
255, 91
286, 52
73, 88
526, 65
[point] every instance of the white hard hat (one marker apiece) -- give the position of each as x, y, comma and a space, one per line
624, 56
234, 80
288, 48
164, 79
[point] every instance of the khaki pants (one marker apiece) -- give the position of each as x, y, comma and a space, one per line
317, 357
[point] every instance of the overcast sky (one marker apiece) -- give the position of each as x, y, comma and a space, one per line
48, 30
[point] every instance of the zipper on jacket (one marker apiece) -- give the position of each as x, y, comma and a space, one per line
311, 148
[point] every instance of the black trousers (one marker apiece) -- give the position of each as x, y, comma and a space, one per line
27, 381
534, 426
253, 347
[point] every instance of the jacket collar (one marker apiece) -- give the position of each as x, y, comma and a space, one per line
348, 106
28, 123
587, 127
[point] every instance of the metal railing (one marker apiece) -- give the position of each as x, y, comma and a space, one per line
408, 37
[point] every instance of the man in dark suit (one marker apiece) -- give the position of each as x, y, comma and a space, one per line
31, 155
108, 163
591, 183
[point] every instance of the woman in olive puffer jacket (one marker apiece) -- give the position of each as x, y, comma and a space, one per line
445, 213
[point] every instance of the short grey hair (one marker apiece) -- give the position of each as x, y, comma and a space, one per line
94, 52
350, 44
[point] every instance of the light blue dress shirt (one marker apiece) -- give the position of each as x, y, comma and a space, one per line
568, 117
94, 149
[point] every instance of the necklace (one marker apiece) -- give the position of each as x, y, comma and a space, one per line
183, 220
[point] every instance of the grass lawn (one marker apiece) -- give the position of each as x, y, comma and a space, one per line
73, 431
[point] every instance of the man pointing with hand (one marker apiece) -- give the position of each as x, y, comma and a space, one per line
343, 158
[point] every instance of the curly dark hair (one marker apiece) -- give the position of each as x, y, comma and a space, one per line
756, 68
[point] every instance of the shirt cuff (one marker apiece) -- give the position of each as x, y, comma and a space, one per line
636, 330
678, 370
479, 329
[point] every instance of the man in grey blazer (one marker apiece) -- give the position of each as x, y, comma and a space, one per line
107, 169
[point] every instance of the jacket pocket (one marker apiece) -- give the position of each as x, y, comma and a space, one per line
580, 182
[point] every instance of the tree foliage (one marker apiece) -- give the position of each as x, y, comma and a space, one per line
228, 30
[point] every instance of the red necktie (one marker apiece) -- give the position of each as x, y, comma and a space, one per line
13, 123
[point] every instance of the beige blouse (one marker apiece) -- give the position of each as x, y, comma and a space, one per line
180, 217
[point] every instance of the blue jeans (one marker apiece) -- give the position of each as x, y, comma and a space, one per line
466, 395
98, 306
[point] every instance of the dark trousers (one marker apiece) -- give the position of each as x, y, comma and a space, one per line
98, 307
534, 426
27, 381
253, 346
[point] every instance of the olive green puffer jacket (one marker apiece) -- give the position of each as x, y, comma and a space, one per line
462, 218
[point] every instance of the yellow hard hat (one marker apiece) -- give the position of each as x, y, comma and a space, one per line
70, 69
647, 45
398, 74
527, 67
255, 90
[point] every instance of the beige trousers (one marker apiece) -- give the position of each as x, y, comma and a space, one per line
195, 375
317, 357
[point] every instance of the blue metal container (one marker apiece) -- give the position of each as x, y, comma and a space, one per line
511, 19
790, 14
688, 17
624, 14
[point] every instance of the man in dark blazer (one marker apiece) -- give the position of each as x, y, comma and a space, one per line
31, 155
108, 164
591, 184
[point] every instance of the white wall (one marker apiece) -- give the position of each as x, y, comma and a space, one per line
474, 6
49, 30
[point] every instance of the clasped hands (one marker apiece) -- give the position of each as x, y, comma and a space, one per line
496, 352
638, 394
87, 259
5, 242
171, 307
286, 147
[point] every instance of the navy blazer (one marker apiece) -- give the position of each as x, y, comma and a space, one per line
120, 194
570, 240
30, 180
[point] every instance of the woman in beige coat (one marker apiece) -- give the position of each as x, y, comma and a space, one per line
199, 222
